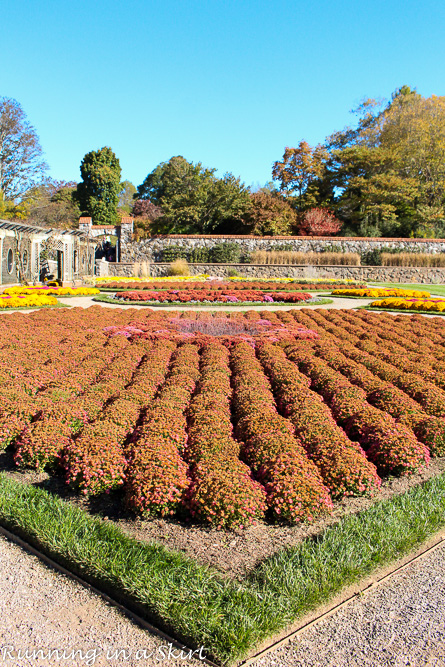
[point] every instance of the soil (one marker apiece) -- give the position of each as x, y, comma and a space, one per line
232, 553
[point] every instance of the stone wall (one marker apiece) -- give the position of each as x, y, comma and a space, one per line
390, 274
151, 248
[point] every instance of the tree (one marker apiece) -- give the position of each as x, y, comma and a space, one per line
144, 213
98, 193
270, 215
126, 197
319, 222
21, 156
389, 171
53, 204
144, 208
193, 200
299, 172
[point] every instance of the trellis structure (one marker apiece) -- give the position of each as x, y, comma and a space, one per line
70, 253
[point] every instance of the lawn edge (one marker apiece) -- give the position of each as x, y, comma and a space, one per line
254, 589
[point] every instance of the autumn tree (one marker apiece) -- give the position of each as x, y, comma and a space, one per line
53, 204
144, 213
299, 173
389, 170
98, 193
22, 165
270, 215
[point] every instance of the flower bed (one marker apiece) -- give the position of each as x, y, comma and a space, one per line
223, 418
26, 301
213, 296
286, 285
41, 290
418, 304
372, 292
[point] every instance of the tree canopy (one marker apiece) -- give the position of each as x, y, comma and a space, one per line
192, 199
22, 165
270, 215
385, 176
98, 193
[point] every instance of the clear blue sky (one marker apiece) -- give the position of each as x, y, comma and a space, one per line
227, 83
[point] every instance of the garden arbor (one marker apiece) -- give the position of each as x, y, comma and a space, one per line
25, 250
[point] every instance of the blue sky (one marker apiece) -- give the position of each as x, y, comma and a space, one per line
226, 83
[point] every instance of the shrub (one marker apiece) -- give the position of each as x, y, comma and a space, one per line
173, 252
225, 253
371, 258
203, 255
319, 222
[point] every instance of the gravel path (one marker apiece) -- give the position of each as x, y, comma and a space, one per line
401, 622
42, 609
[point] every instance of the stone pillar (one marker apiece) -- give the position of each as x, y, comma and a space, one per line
125, 236
102, 267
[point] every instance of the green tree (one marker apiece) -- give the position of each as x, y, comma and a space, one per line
389, 171
193, 200
98, 193
126, 197
21, 157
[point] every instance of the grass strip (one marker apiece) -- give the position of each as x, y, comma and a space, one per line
106, 299
438, 290
56, 305
193, 602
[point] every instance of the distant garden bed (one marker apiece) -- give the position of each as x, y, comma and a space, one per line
120, 302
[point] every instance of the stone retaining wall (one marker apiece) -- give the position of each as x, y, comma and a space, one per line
389, 274
151, 248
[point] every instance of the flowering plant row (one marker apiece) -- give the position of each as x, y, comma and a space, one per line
239, 285
157, 473
222, 491
213, 296
54, 291
431, 305
381, 291
26, 301
202, 277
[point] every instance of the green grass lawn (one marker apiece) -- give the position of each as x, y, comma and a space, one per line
433, 289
